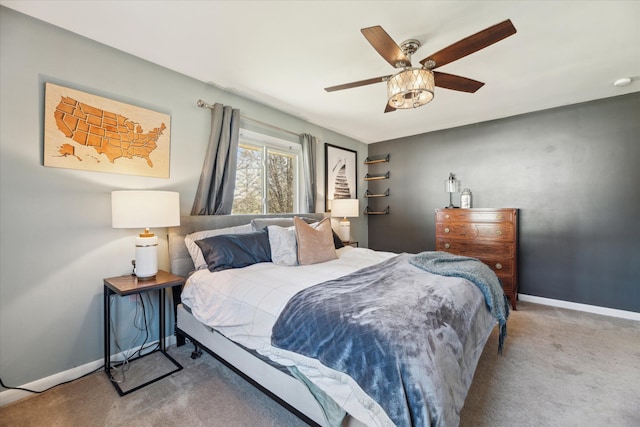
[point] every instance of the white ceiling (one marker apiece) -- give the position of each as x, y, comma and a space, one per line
283, 53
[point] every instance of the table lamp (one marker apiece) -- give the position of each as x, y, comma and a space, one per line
451, 185
145, 209
345, 208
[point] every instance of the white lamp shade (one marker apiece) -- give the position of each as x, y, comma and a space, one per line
345, 208
145, 209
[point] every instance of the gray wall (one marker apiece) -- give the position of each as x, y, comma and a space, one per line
574, 173
56, 242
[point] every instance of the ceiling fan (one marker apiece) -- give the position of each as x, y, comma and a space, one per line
413, 86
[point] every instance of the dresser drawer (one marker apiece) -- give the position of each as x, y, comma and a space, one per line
475, 215
476, 249
501, 232
502, 267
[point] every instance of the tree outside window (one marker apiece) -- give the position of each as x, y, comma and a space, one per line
280, 188
266, 179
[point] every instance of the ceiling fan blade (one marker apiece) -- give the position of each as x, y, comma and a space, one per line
386, 47
453, 82
388, 108
471, 44
358, 83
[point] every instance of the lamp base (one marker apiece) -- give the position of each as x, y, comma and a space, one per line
450, 202
345, 230
144, 279
146, 266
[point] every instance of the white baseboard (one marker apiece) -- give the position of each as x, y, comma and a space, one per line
631, 315
9, 396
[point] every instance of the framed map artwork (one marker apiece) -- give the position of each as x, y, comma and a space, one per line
89, 132
340, 174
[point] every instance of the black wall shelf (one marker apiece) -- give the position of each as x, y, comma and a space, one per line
372, 161
370, 194
368, 211
369, 177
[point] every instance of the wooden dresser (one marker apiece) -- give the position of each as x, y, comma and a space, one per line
490, 235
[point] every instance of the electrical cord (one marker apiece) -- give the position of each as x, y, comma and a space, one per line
141, 323
145, 324
124, 366
53, 386
125, 362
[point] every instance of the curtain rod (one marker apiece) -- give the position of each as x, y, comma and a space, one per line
203, 104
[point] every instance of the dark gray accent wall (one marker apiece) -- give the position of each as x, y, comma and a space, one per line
574, 173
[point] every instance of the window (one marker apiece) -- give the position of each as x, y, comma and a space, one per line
267, 176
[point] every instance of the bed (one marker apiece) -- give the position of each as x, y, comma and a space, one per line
254, 319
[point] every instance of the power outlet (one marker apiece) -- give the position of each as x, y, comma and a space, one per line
134, 297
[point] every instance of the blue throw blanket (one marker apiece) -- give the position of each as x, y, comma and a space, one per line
410, 339
475, 271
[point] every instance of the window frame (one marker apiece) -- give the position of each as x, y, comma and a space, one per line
268, 143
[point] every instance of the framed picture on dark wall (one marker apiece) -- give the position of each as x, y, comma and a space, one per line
340, 177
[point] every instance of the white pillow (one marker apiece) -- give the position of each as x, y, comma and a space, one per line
194, 249
284, 248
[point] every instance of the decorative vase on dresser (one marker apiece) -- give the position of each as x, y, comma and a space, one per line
491, 235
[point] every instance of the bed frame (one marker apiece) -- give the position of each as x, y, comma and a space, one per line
281, 387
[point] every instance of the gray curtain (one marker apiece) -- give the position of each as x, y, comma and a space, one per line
218, 177
309, 168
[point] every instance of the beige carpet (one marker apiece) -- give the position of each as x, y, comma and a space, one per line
559, 368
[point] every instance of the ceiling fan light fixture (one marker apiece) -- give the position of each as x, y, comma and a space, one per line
410, 88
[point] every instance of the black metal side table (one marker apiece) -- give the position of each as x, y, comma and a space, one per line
131, 285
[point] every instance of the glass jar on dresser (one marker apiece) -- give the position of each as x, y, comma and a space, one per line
491, 235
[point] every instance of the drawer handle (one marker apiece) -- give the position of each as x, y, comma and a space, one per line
447, 245
447, 216
499, 232
446, 230
498, 266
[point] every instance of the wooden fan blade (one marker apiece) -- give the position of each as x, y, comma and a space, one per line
386, 47
471, 44
453, 82
358, 83
388, 108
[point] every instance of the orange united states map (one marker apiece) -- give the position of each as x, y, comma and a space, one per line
108, 133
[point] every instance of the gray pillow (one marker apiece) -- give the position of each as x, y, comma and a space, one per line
194, 250
284, 248
235, 250
260, 224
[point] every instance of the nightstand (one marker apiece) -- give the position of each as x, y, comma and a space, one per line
131, 285
353, 244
